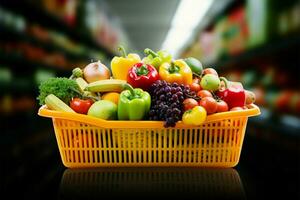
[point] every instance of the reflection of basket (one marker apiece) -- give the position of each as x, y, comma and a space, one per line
86, 141
205, 183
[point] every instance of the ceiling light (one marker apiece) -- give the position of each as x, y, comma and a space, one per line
187, 17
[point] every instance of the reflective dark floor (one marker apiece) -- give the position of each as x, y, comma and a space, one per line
265, 170
149, 182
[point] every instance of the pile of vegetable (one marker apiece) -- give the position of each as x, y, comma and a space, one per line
156, 88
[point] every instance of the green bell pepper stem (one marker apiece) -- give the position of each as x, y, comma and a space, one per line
123, 51
134, 104
130, 88
226, 82
151, 52
142, 70
173, 68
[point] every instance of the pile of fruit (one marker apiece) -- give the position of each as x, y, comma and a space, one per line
155, 88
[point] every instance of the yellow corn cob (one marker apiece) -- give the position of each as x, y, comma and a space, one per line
55, 103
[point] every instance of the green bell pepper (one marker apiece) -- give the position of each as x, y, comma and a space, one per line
156, 59
134, 104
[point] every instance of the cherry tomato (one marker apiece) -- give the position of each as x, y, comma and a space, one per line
195, 87
195, 116
204, 93
209, 103
80, 105
222, 106
189, 103
210, 71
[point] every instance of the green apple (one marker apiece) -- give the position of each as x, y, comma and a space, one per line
210, 82
103, 109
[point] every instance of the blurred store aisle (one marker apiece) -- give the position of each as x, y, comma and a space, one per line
253, 41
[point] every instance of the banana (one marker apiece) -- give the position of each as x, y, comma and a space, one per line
109, 85
55, 103
82, 85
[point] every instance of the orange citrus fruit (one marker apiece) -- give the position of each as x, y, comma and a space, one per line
111, 96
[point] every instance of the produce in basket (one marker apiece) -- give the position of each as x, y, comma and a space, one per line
142, 75
176, 72
63, 88
103, 109
121, 65
195, 116
157, 58
156, 88
96, 71
134, 104
195, 65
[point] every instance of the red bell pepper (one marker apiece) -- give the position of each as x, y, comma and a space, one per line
142, 76
233, 93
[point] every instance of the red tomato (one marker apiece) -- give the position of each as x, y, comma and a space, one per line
204, 93
209, 103
189, 103
210, 71
80, 105
222, 106
195, 87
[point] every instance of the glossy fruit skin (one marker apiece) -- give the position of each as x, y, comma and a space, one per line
210, 71
195, 65
210, 104
222, 106
195, 116
103, 109
80, 105
195, 87
189, 103
232, 93
210, 82
204, 93
111, 96
142, 76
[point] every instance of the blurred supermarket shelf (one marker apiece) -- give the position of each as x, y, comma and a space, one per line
37, 15
284, 124
10, 34
22, 64
246, 30
269, 49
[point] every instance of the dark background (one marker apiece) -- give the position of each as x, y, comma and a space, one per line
256, 42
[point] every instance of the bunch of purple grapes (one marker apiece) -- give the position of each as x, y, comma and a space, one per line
167, 101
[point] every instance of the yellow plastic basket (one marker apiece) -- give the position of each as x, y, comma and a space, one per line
85, 141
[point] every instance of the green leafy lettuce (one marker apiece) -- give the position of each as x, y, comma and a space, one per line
64, 88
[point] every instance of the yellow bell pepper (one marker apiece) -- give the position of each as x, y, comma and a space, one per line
178, 71
121, 65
